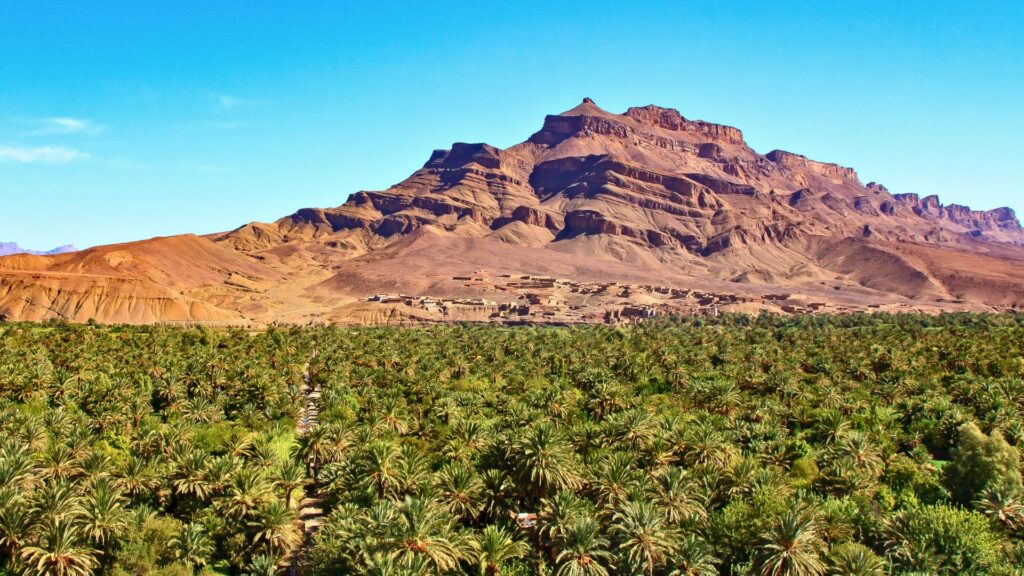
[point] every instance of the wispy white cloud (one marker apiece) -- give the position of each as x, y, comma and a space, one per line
68, 125
228, 101
233, 102
40, 155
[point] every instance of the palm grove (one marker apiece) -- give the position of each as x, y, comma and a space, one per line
856, 445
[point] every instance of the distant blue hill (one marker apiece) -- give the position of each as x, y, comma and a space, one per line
7, 248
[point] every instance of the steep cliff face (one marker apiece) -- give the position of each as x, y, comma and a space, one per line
644, 194
795, 164
672, 120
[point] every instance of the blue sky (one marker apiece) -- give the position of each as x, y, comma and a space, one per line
122, 120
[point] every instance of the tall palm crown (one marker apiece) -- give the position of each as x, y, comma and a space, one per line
792, 546
583, 551
495, 547
424, 531
59, 552
643, 535
544, 460
274, 525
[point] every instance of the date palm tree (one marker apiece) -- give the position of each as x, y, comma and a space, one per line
189, 477
60, 461
263, 452
15, 522
792, 546
239, 444
859, 449
544, 460
494, 547
583, 550
606, 397
138, 477
635, 429
56, 501
392, 415
853, 559
192, 545
275, 525
469, 438
706, 444
104, 516
97, 466
289, 477
263, 565
59, 551
313, 447
219, 472
247, 491
693, 558
459, 488
414, 476
379, 468
832, 426
677, 495
201, 410
495, 493
615, 477
559, 512
424, 530
383, 565
17, 471
61, 381
641, 533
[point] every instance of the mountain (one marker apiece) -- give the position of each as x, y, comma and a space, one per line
7, 248
597, 217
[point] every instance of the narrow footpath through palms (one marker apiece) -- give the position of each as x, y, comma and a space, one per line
311, 514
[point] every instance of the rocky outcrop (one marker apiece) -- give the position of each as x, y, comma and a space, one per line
671, 119
659, 127
559, 128
534, 216
462, 154
589, 222
797, 163
1000, 221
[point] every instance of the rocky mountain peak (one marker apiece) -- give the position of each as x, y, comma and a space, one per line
644, 197
7, 248
586, 108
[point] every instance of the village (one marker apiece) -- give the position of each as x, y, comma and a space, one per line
519, 299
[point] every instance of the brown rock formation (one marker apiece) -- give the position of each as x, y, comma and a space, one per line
647, 196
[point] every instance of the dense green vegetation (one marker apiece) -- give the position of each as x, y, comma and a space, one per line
855, 445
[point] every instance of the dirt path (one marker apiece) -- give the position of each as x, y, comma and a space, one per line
311, 513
